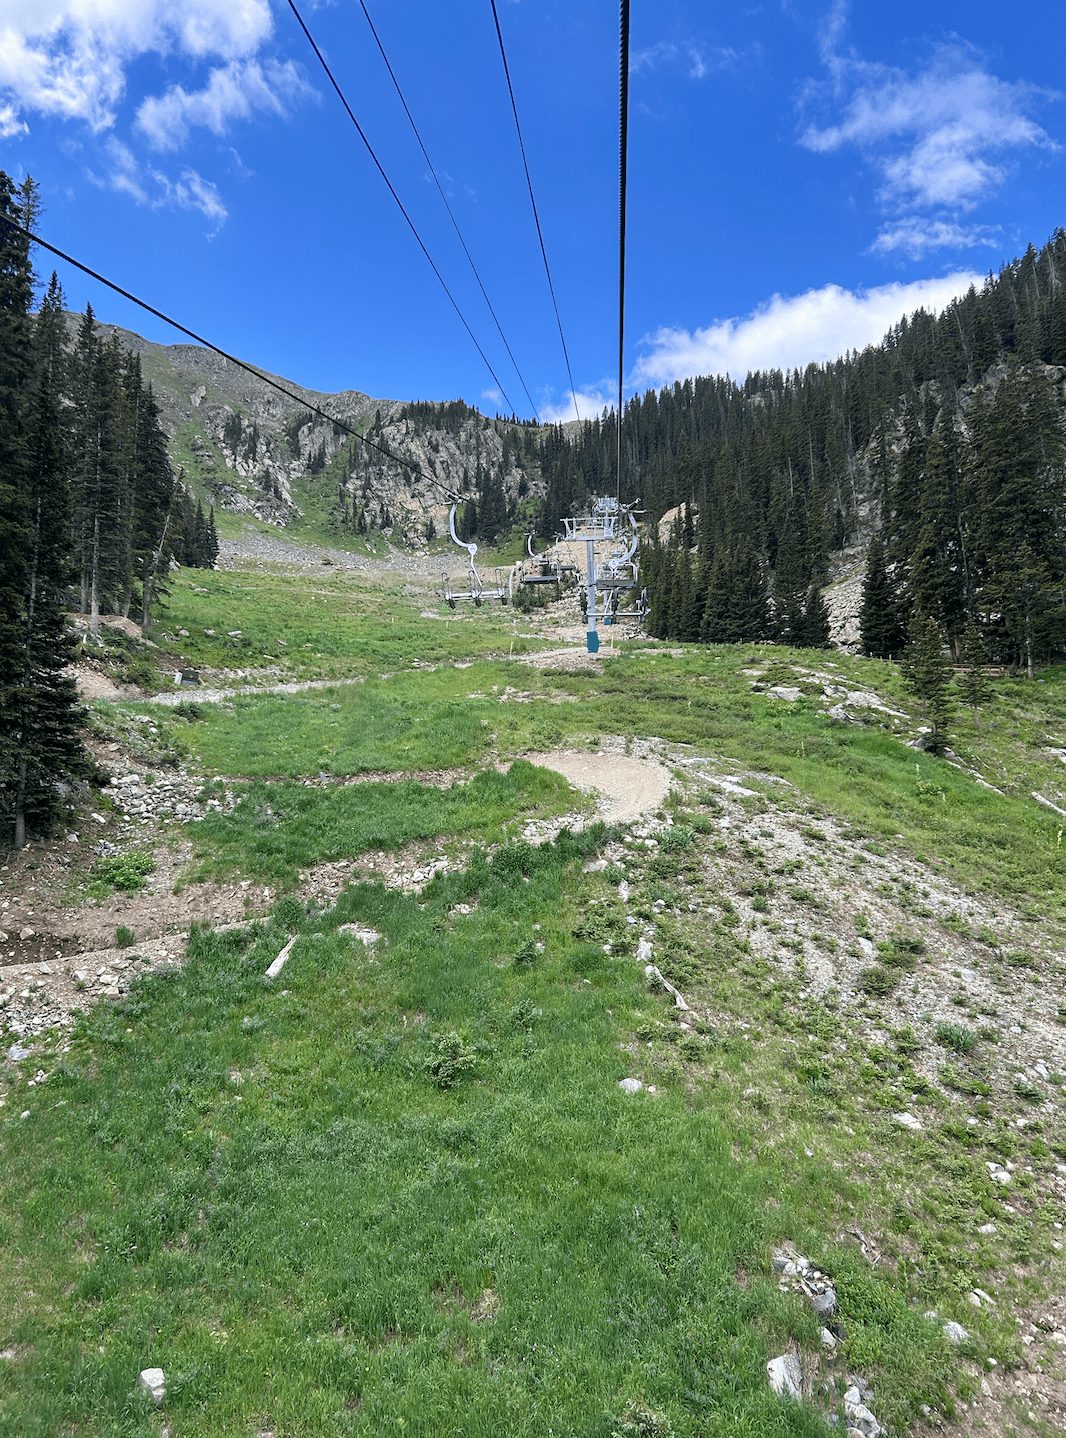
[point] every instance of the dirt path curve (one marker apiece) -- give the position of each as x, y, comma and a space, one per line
626, 788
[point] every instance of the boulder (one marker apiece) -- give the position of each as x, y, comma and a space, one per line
785, 1376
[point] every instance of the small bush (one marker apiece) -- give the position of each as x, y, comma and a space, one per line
124, 937
640, 1421
523, 1015
527, 955
191, 713
877, 981
288, 913
449, 1059
957, 1037
126, 872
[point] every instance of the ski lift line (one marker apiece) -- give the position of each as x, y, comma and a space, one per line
533, 203
623, 182
447, 206
274, 384
400, 204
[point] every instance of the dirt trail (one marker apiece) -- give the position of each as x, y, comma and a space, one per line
626, 787
171, 697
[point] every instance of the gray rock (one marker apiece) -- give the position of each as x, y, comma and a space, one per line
785, 1376
17, 1052
824, 1304
630, 1085
955, 1333
788, 692
154, 1382
858, 1416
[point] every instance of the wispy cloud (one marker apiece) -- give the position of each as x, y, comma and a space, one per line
10, 124
942, 138
241, 90
917, 237
148, 186
68, 58
790, 332
692, 57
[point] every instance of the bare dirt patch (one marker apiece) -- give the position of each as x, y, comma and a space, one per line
625, 787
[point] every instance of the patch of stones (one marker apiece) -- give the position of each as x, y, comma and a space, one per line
41, 996
140, 801
787, 1374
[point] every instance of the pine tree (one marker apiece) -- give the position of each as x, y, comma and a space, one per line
815, 632
40, 719
927, 673
879, 624
939, 568
975, 687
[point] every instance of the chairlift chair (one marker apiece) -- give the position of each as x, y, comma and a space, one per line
477, 591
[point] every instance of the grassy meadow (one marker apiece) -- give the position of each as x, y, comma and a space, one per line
399, 1189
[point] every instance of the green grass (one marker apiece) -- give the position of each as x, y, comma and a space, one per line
864, 775
336, 1244
277, 829
328, 624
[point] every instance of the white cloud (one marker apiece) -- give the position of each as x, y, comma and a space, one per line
69, 58
942, 137
10, 124
695, 59
939, 137
591, 403
236, 91
790, 332
150, 187
916, 237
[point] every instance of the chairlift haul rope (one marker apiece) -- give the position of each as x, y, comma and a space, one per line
267, 379
402, 207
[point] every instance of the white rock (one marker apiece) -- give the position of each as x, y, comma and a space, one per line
987, 1228
369, 936
998, 1174
955, 1333
788, 692
907, 1120
154, 1382
859, 1416
17, 1052
785, 1376
829, 1341
630, 1085
644, 952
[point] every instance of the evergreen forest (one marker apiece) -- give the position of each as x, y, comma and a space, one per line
92, 515
940, 450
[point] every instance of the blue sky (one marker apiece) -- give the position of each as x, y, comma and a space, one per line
802, 172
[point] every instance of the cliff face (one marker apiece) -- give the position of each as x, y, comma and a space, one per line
246, 448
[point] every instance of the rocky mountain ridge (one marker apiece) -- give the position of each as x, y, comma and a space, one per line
247, 449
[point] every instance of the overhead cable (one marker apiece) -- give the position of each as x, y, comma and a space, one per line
400, 204
447, 206
266, 379
533, 202
623, 181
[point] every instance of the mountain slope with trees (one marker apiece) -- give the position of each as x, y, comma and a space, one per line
92, 514
942, 447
